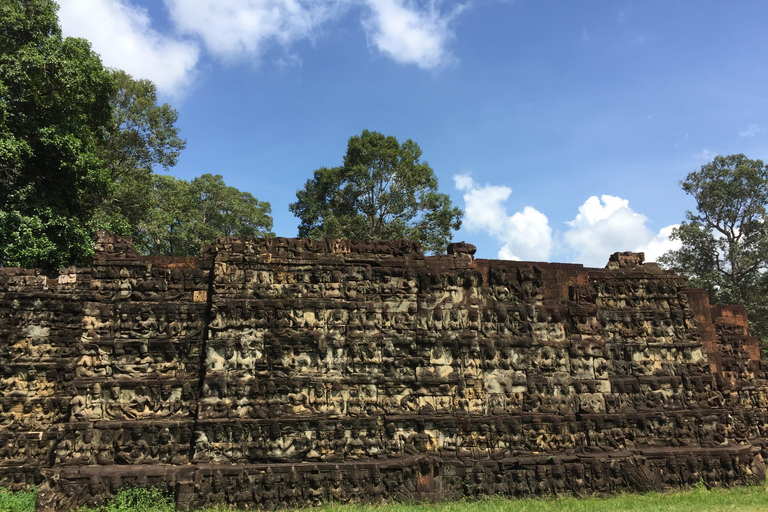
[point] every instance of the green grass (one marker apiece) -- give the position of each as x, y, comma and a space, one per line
700, 500
137, 499
750, 499
19, 501
744, 499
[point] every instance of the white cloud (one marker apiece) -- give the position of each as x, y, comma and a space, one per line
529, 236
465, 182
660, 244
526, 235
122, 34
607, 224
604, 225
410, 34
705, 154
234, 29
290, 60
751, 131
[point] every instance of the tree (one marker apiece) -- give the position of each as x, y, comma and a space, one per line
144, 134
54, 105
382, 191
78, 148
165, 215
187, 215
141, 137
725, 243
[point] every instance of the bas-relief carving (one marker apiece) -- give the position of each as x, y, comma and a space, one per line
288, 372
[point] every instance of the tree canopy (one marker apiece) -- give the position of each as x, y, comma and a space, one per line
54, 106
725, 242
166, 215
143, 134
79, 145
189, 214
382, 191
142, 137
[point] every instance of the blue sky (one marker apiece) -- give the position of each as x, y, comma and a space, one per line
561, 128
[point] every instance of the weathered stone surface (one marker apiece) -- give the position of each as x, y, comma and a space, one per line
285, 372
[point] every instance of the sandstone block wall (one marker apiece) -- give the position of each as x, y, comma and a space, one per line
284, 372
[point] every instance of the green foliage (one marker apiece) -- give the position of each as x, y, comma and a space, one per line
137, 499
78, 147
19, 501
143, 134
141, 499
54, 105
725, 242
699, 499
165, 215
381, 191
187, 215
745, 499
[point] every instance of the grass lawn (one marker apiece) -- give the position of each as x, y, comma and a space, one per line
749, 499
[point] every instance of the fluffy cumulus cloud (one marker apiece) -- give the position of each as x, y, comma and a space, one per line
525, 235
660, 244
404, 31
604, 225
607, 224
234, 29
408, 33
123, 35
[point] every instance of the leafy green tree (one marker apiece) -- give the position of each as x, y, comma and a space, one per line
142, 137
54, 106
382, 191
187, 215
144, 134
165, 215
725, 242
78, 148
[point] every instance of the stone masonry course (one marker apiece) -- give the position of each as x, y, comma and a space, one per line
282, 372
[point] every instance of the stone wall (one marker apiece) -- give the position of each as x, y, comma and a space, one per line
284, 372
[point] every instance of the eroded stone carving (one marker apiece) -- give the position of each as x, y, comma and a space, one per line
287, 372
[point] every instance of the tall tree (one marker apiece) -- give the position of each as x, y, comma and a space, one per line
187, 215
165, 215
54, 106
725, 242
78, 148
383, 191
141, 138
144, 134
